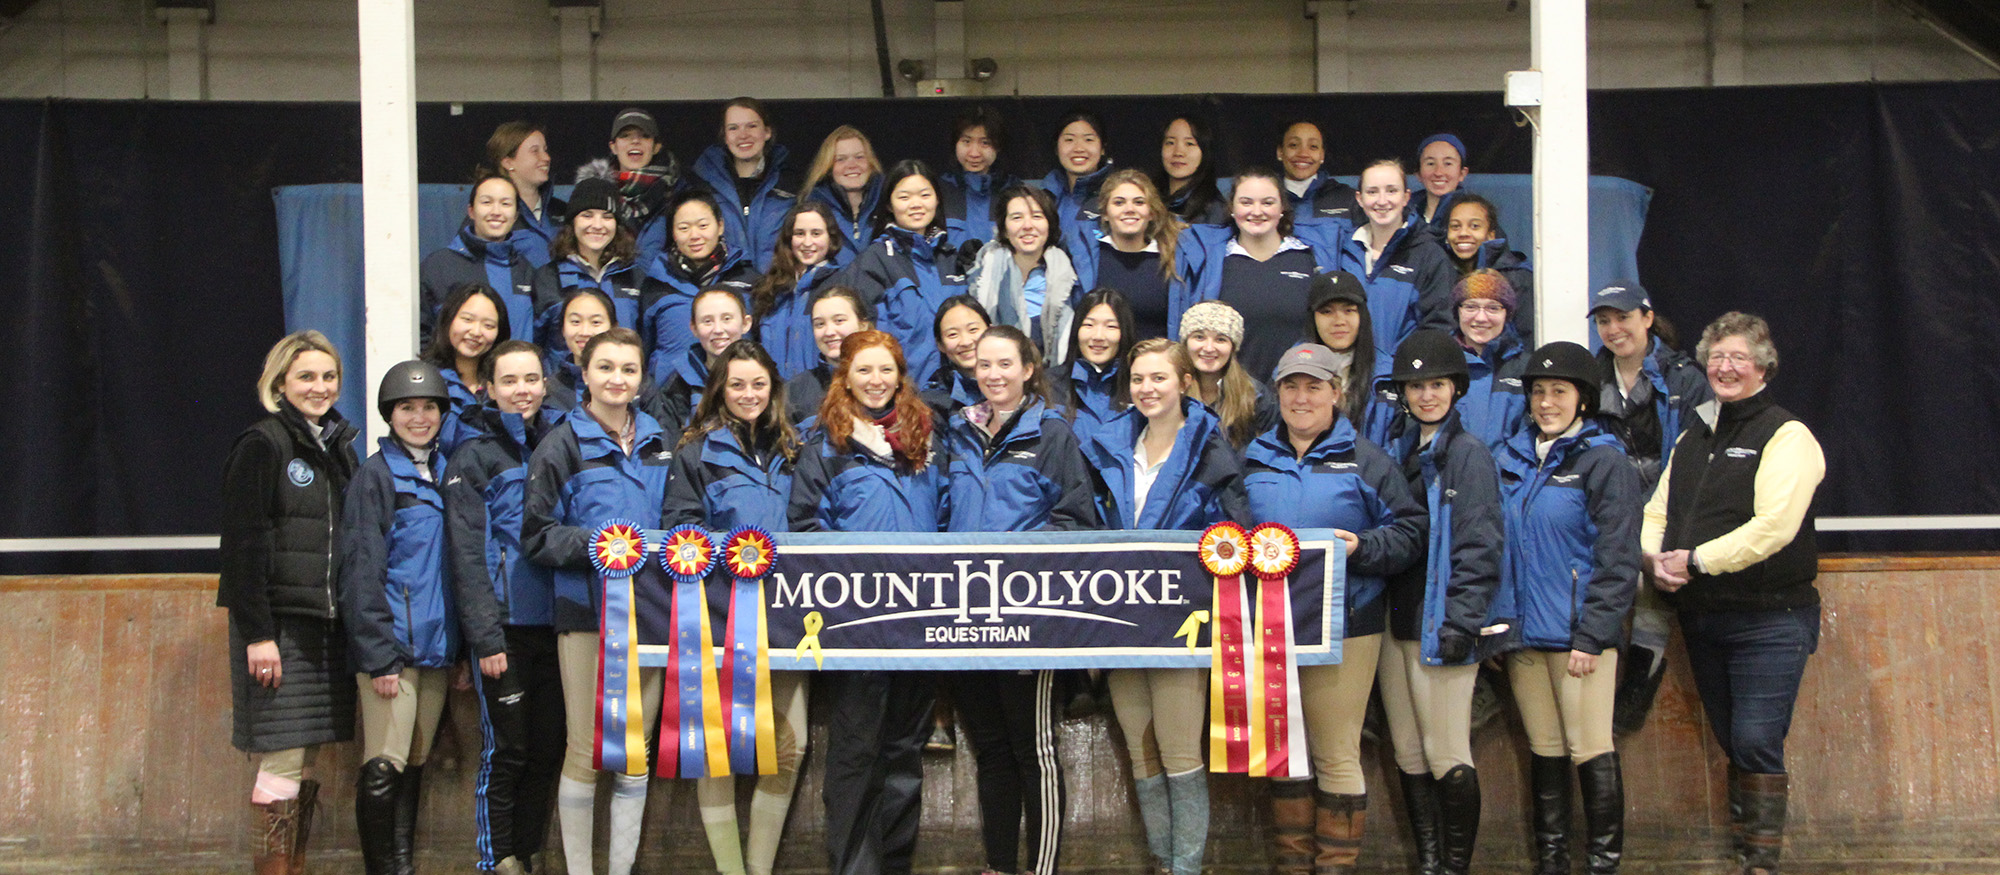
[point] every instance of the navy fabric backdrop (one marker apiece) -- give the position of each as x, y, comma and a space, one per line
144, 283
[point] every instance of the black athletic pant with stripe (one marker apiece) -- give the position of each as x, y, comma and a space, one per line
521, 713
1010, 719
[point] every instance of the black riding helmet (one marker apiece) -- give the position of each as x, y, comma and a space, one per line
411, 379
1564, 360
1429, 354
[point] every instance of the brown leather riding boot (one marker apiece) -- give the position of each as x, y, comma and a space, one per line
308, 804
273, 835
1341, 818
1291, 827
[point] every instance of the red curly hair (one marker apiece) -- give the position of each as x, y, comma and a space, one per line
838, 412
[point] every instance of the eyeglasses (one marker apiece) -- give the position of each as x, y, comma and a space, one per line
1741, 360
1481, 307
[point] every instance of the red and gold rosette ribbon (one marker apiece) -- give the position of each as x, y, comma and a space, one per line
692, 718
1224, 550
748, 554
1277, 729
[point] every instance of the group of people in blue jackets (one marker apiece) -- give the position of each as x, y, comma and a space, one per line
896, 349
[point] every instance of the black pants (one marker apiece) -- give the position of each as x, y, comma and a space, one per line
521, 720
876, 725
1009, 716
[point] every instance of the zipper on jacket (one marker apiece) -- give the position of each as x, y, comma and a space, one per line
506, 586
332, 609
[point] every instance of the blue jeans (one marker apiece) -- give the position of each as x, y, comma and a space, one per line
1747, 667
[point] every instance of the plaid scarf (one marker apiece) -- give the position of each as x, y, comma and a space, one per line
646, 190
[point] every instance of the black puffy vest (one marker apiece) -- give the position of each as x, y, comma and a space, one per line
1713, 491
305, 514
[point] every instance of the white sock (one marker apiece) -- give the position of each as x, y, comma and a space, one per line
717, 798
628, 811
768, 810
576, 808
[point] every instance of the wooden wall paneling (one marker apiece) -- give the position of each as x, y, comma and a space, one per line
26, 651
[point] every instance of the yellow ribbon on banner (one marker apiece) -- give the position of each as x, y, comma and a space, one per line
810, 643
1191, 629
767, 727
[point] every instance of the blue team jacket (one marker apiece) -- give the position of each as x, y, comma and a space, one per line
578, 479
394, 595
1572, 524
1029, 477
1200, 484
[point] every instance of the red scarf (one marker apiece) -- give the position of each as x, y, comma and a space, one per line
889, 431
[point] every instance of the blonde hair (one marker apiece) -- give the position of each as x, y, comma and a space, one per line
1164, 228
271, 386
823, 162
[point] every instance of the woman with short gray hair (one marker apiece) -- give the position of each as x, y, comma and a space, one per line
1729, 541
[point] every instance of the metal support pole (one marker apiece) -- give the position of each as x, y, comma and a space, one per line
1562, 171
1330, 65
388, 189
578, 46
187, 51
1725, 42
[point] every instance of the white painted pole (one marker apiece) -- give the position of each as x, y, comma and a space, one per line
388, 190
1330, 67
1562, 171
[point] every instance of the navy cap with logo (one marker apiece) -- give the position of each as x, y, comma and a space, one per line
1622, 295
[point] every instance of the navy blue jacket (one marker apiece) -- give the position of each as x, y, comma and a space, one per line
393, 591
786, 331
1200, 484
1325, 198
1410, 287
1076, 204
966, 202
1343, 482
666, 301
579, 479
1572, 525
674, 405
1520, 274
751, 227
1495, 405
1203, 248
857, 230
455, 428
532, 235
473, 259
720, 485
1029, 477
851, 489
621, 282
1458, 586
1677, 384
1088, 390
1441, 217
805, 392
494, 584
906, 277
1214, 212
950, 390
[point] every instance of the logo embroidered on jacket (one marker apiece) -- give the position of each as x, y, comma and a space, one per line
664, 454
1565, 478
1512, 381
1020, 454
1739, 452
1399, 268
1294, 275
454, 481
524, 289
1451, 493
300, 473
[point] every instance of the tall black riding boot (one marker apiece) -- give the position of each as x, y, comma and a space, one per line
375, 798
1603, 812
1549, 777
1458, 819
1764, 800
406, 819
1420, 807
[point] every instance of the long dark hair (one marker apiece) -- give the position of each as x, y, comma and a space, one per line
1201, 186
1037, 386
623, 246
785, 267
1358, 384
441, 353
713, 412
885, 214
1128, 337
